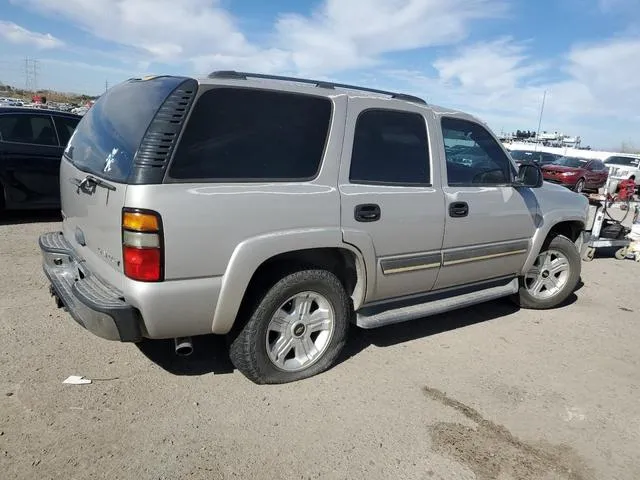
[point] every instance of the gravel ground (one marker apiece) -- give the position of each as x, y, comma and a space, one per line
488, 392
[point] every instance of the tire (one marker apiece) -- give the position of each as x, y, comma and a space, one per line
621, 253
254, 350
557, 284
579, 186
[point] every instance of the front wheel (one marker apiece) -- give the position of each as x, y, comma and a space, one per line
553, 276
297, 329
579, 188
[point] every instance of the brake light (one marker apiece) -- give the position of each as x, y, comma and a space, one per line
142, 245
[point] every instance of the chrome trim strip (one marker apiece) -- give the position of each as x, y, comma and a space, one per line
411, 263
484, 257
483, 252
414, 268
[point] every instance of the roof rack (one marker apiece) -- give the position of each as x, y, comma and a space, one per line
233, 75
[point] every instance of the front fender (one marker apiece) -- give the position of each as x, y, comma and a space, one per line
548, 222
251, 253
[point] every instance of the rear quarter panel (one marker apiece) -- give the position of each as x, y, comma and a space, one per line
206, 225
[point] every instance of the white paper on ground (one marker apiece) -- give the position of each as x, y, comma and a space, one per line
77, 380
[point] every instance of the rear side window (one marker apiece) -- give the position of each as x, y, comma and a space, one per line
474, 157
65, 127
253, 135
27, 128
390, 147
107, 138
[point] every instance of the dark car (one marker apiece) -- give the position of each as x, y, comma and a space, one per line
576, 173
31, 145
539, 158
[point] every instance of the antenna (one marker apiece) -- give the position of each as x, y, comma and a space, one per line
540, 121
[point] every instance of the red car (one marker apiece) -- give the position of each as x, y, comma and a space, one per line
579, 174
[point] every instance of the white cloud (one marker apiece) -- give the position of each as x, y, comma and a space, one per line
345, 35
13, 33
164, 30
500, 83
338, 36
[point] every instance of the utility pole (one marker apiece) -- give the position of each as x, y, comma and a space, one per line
30, 74
106, 85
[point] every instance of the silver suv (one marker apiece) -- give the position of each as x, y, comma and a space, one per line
280, 211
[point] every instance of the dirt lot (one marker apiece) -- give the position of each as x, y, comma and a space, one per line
488, 393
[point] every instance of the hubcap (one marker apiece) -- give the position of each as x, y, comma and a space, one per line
580, 186
299, 331
548, 276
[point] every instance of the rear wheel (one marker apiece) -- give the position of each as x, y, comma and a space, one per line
579, 187
297, 329
553, 276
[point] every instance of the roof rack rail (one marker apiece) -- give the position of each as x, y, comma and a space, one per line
233, 75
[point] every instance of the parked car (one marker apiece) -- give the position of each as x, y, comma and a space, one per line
31, 145
539, 158
280, 212
622, 167
579, 174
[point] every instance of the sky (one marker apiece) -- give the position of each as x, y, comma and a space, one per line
492, 58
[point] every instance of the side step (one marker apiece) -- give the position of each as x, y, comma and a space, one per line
439, 304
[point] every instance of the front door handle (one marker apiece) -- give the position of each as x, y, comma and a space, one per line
458, 209
367, 212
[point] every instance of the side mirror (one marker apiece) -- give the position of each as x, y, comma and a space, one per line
529, 176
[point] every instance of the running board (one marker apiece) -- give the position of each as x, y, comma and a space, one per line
440, 304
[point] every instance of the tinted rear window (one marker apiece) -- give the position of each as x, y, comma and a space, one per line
107, 138
252, 135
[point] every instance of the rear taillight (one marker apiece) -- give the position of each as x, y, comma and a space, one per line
142, 245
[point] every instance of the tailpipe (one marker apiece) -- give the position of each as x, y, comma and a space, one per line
183, 346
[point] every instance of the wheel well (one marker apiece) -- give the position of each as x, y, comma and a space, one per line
339, 261
570, 229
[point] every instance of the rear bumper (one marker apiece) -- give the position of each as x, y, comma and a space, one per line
94, 304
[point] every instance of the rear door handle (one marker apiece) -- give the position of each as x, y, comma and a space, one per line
458, 209
367, 212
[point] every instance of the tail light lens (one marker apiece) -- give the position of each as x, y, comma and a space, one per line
142, 245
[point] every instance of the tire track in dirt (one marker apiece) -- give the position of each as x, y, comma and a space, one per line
491, 451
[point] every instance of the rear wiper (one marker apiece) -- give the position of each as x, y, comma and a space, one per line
91, 181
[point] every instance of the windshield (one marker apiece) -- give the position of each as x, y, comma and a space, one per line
107, 138
571, 162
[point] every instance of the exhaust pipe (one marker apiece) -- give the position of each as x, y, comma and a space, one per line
183, 346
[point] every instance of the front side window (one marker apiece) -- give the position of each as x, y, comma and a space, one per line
390, 147
253, 135
474, 157
26, 128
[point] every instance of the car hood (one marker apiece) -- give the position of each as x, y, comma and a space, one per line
556, 201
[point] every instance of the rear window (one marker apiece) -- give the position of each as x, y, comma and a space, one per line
107, 138
253, 135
